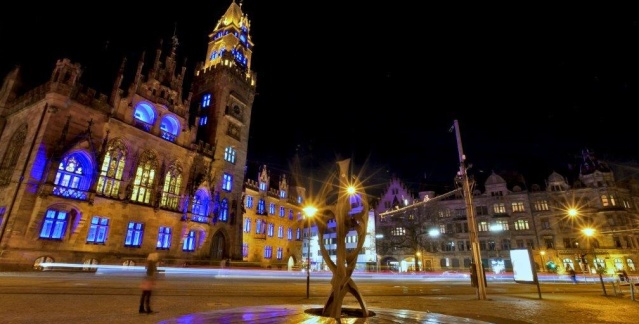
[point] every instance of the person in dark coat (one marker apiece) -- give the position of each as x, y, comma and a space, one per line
148, 283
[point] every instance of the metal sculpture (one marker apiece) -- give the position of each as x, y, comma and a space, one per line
351, 214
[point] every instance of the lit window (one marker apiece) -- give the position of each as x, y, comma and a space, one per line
280, 231
227, 182
71, 180
247, 225
134, 234
229, 154
206, 100
171, 189
245, 250
261, 207
98, 230
54, 225
268, 252
189, 242
263, 186
282, 211
280, 253
144, 178
224, 210
112, 170
200, 203
271, 229
289, 234
164, 238
249, 202
271, 208
298, 234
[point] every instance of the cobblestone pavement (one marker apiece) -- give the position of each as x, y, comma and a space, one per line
557, 305
590, 307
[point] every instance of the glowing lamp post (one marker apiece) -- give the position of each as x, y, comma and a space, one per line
543, 264
309, 211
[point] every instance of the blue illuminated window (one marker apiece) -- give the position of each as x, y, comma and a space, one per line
282, 211
268, 252
290, 214
200, 203
245, 250
271, 208
298, 234
263, 186
54, 224
169, 128
164, 238
280, 231
247, 225
203, 120
261, 207
271, 230
134, 234
189, 242
289, 234
259, 227
98, 230
229, 154
280, 253
71, 180
224, 210
227, 182
282, 193
206, 100
249, 202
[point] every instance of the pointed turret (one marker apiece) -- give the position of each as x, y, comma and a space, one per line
230, 41
9, 89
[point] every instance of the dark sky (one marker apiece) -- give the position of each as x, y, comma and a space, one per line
383, 81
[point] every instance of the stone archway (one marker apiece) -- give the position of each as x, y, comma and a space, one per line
218, 247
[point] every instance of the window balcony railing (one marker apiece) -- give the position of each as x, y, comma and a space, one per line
259, 236
200, 219
142, 125
70, 193
168, 136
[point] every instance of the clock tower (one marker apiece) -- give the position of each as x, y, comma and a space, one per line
223, 94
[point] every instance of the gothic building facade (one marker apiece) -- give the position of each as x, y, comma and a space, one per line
273, 222
153, 166
589, 224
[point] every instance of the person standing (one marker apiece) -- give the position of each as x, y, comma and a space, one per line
573, 275
148, 283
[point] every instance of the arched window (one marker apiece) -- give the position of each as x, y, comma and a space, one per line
169, 128
112, 170
631, 264
201, 203
10, 158
144, 115
144, 178
224, 210
73, 177
171, 188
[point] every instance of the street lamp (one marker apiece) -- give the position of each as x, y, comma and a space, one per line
543, 265
588, 232
309, 211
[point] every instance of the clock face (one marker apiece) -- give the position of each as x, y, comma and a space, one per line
237, 110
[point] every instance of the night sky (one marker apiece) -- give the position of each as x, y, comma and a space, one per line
382, 83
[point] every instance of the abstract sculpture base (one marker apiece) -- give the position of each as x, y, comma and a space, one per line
346, 312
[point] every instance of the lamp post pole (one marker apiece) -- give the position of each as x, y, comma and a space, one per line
309, 211
470, 216
308, 260
543, 264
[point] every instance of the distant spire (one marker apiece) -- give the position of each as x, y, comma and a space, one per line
174, 39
